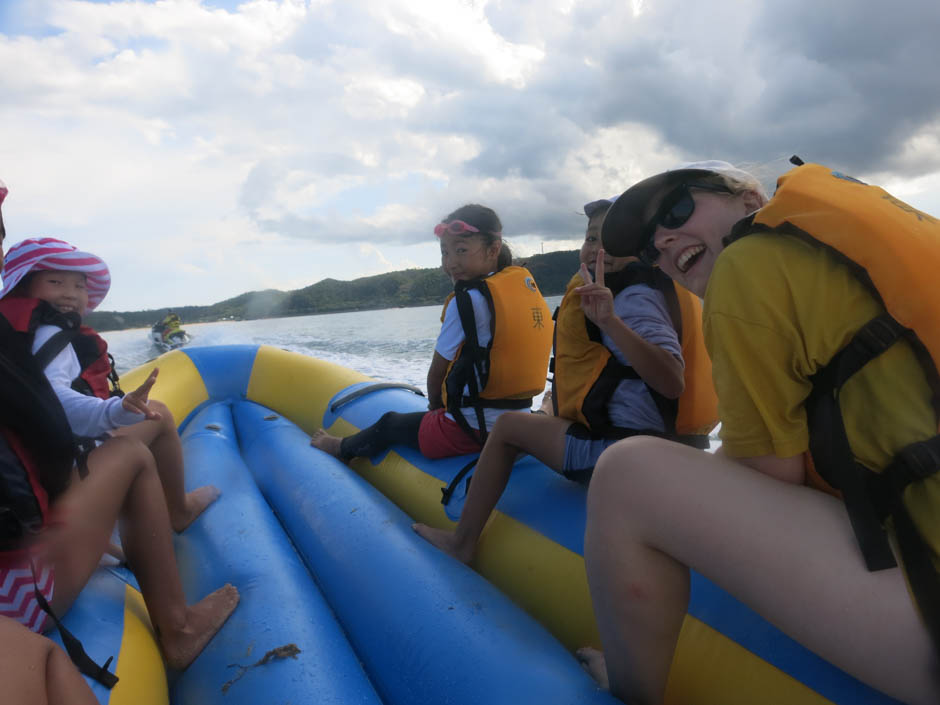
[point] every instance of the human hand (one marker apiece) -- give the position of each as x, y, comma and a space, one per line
597, 301
137, 400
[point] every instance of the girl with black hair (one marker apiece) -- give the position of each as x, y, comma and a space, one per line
491, 355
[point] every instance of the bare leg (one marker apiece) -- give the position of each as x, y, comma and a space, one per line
34, 670
123, 481
787, 551
513, 432
161, 436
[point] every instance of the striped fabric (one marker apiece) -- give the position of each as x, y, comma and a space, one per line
50, 253
17, 596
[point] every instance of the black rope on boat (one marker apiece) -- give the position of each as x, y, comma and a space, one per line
362, 391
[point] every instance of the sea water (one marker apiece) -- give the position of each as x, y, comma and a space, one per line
389, 345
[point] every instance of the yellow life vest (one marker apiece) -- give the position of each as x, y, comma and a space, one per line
586, 373
894, 250
512, 368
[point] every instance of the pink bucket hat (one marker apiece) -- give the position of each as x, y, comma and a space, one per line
49, 253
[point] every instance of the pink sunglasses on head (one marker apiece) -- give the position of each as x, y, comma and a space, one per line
454, 227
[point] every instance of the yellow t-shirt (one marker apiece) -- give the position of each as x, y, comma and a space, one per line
777, 309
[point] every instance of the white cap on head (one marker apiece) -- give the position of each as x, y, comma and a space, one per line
624, 227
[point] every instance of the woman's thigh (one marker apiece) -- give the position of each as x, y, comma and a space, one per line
785, 550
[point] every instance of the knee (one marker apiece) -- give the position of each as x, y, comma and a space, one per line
166, 416
627, 472
502, 427
508, 425
128, 454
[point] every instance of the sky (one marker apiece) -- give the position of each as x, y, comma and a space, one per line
205, 148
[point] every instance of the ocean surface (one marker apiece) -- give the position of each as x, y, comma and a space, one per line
390, 345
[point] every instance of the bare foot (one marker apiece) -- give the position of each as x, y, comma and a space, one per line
195, 504
445, 541
595, 664
327, 443
203, 620
547, 407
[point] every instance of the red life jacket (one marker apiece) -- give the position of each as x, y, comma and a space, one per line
97, 377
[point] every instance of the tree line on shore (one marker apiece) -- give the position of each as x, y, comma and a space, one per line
409, 287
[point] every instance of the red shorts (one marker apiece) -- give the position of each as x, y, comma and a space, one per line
441, 437
17, 597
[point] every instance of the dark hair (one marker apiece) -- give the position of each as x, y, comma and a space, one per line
23, 284
489, 225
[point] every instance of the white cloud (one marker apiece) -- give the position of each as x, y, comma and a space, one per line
206, 151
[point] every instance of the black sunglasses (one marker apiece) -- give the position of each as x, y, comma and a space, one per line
674, 210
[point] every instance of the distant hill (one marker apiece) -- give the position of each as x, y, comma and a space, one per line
409, 287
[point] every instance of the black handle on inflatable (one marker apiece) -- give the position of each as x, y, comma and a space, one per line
362, 391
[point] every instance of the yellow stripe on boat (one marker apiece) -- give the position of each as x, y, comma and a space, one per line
140, 663
179, 384
296, 386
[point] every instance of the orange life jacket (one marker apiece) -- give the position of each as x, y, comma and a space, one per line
512, 368
586, 373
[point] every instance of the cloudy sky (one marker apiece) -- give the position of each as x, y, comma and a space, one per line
208, 148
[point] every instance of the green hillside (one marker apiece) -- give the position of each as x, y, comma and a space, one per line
409, 287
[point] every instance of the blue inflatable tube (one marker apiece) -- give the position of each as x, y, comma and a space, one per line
428, 629
241, 542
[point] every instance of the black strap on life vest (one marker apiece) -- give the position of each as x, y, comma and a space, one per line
30, 409
73, 646
59, 340
448, 492
471, 369
476, 368
872, 497
551, 360
829, 443
71, 335
20, 513
47, 353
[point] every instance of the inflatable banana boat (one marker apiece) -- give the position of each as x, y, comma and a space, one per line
343, 603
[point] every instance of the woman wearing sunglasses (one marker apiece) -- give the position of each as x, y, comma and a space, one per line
780, 303
491, 355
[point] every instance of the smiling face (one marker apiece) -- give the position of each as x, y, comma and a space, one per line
465, 257
688, 252
65, 291
592, 243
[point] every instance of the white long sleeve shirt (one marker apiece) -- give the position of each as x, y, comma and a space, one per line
88, 416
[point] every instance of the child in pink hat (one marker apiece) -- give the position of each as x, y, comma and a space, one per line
48, 285
58, 527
